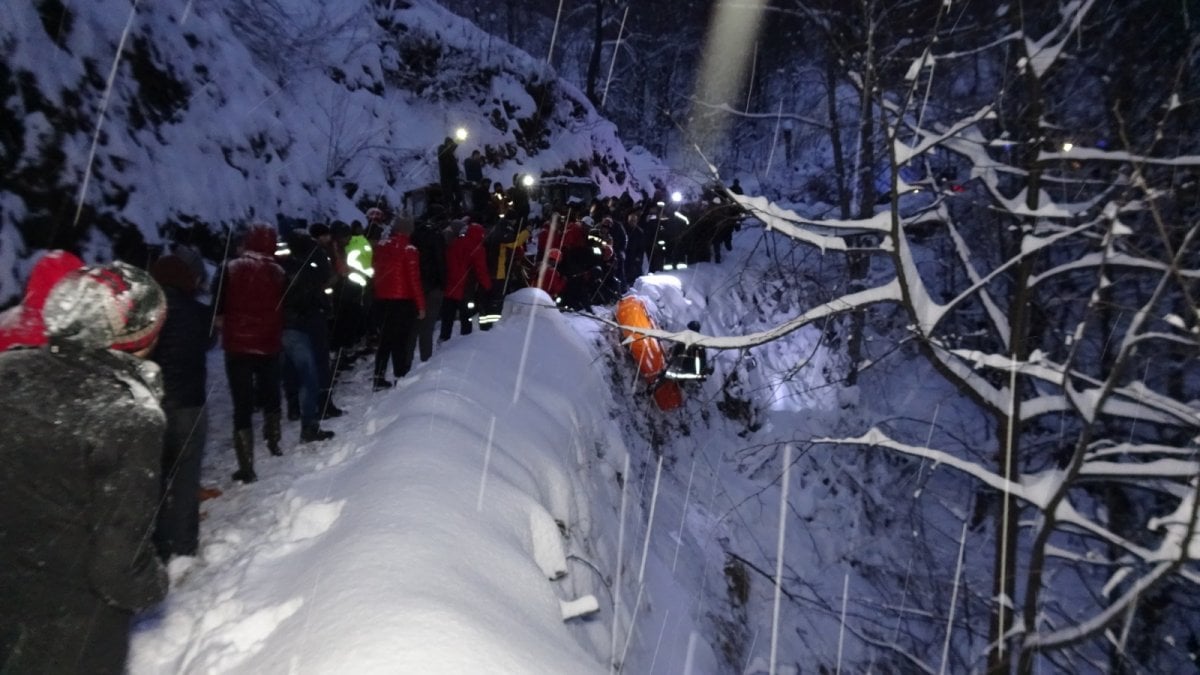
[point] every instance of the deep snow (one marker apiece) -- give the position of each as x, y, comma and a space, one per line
423, 538
427, 536
431, 533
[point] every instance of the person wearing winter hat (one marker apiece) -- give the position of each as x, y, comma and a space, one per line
80, 446
181, 353
22, 325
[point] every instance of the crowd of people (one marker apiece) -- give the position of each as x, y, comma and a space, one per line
106, 377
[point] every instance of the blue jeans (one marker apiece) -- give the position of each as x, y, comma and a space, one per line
302, 361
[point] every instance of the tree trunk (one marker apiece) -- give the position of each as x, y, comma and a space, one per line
1004, 581
511, 15
593, 69
859, 263
835, 134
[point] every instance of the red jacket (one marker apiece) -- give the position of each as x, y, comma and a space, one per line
22, 325
397, 266
544, 243
551, 281
574, 236
251, 297
465, 256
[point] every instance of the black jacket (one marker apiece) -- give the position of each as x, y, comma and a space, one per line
182, 350
431, 244
80, 448
309, 273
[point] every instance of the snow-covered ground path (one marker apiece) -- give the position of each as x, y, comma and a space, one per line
422, 538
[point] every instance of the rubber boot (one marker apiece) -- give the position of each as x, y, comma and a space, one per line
243, 447
271, 432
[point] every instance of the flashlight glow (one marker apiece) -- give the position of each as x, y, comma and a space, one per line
1068, 146
677, 196
527, 181
460, 134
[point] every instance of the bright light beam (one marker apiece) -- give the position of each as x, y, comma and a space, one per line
612, 64
783, 501
727, 53
487, 460
554, 35
112, 76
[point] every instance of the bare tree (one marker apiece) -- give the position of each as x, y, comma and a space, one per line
1072, 320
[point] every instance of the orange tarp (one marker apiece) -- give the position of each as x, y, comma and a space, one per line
631, 314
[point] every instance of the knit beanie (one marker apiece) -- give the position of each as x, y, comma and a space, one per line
402, 224
172, 271
194, 261
115, 306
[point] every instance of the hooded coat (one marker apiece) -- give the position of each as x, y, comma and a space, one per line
80, 445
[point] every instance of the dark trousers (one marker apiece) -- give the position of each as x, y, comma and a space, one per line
397, 324
454, 308
300, 361
423, 336
177, 531
252, 377
320, 341
348, 323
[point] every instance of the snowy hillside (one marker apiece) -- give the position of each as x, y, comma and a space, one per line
119, 117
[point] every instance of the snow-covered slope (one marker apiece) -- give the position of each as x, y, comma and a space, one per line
118, 116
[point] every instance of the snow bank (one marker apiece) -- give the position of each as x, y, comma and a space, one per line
423, 539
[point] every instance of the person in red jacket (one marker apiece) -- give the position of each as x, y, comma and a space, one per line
22, 325
545, 242
399, 301
548, 278
249, 301
465, 258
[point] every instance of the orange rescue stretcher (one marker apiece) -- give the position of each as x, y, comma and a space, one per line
647, 352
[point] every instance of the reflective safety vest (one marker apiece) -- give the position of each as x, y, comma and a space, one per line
358, 259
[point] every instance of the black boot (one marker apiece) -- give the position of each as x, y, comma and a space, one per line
382, 383
312, 432
330, 409
243, 447
271, 432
